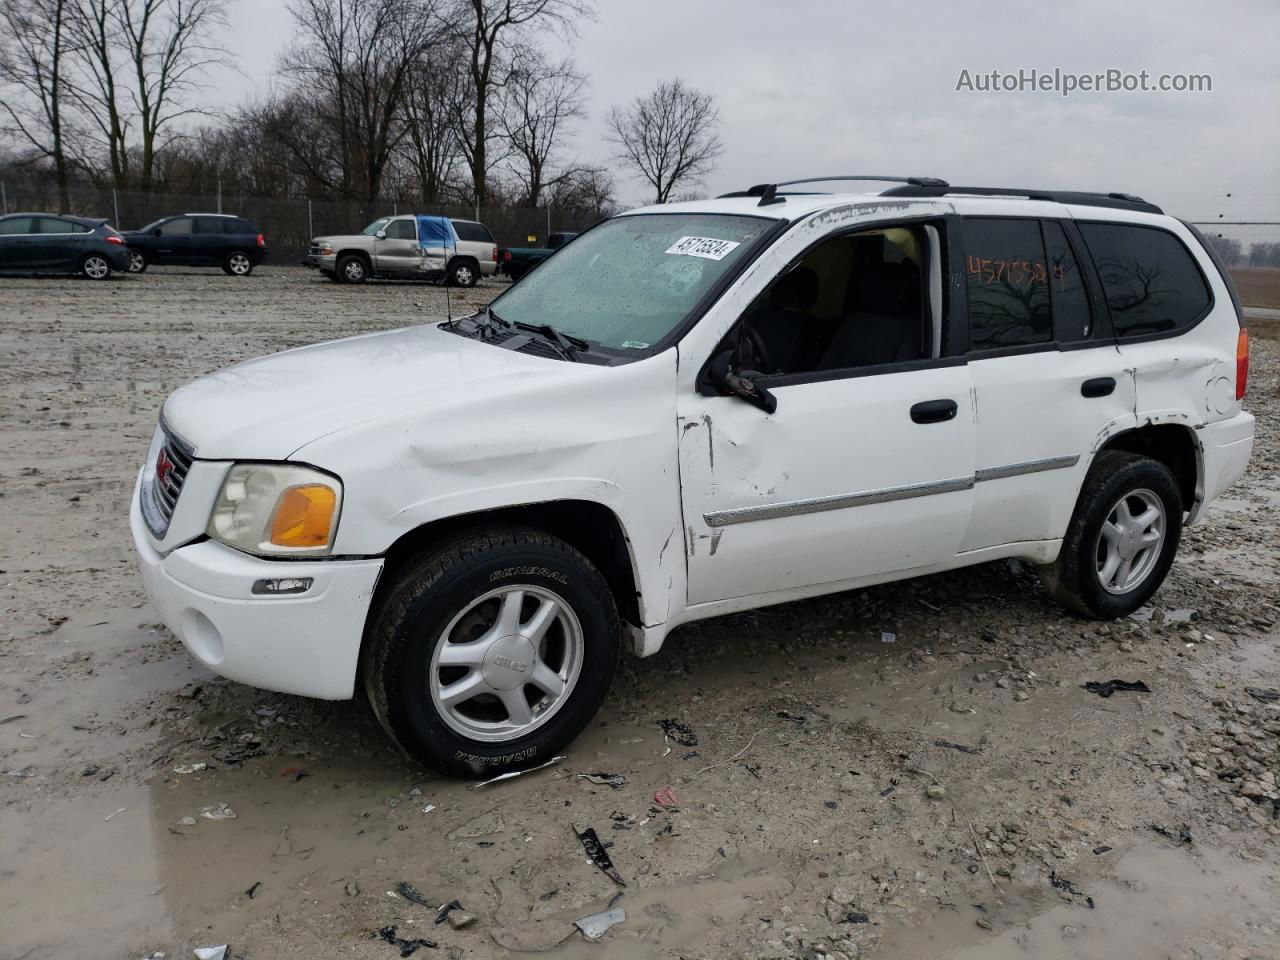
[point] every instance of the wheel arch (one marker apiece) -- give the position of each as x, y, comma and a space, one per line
588, 526
355, 252
1175, 445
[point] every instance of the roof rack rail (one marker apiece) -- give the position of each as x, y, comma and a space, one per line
1118, 201
768, 192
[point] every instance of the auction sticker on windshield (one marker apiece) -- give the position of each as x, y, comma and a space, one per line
708, 248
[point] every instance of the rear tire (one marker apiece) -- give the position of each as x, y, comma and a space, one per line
95, 266
1121, 540
237, 263
352, 269
531, 635
463, 273
137, 261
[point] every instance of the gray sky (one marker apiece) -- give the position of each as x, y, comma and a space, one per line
811, 87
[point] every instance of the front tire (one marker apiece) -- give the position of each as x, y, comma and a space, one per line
1122, 537
137, 261
95, 267
352, 269
492, 652
237, 264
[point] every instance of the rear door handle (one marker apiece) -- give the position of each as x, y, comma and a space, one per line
934, 411
1098, 387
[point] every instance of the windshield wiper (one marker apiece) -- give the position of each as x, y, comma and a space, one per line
565, 341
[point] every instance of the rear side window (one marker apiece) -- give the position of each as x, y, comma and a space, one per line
240, 226
58, 225
181, 227
468, 230
210, 225
1150, 280
1007, 278
1072, 319
15, 226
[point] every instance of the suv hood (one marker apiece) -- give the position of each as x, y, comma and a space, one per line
266, 409
336, 238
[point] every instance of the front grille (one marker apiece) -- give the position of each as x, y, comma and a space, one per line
173, 462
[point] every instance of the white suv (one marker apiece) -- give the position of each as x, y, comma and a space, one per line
694, 409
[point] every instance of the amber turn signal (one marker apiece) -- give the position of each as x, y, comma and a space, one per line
303, 516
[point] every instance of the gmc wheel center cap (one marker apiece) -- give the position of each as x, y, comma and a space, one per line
508, 662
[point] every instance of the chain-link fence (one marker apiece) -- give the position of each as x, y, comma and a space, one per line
288, 224
1251, 250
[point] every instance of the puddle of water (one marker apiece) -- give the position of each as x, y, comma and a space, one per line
1161, 902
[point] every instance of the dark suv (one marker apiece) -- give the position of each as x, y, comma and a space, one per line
198, 240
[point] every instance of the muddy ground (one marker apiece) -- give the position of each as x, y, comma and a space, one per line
951, 792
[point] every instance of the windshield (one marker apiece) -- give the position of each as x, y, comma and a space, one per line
374, 227
629, 282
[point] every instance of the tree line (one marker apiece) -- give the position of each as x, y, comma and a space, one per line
438, 101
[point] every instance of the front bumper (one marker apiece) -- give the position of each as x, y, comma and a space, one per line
317, 262
1225, 448
306, 644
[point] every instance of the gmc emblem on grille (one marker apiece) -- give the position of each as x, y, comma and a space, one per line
164, 466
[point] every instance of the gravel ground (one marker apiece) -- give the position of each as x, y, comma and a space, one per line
952, 792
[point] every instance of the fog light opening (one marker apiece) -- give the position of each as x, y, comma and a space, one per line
283, 586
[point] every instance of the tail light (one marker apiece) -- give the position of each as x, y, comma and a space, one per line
495, 254
506, 255
113, 238
262, 241
1242, 363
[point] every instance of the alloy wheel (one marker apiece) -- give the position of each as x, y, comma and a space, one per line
1130, 541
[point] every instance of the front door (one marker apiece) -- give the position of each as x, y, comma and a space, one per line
397, 252
173, 241
865, 468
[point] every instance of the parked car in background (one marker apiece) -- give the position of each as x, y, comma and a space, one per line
406, 247
697, 409
476, 256
198, 240
60, 243
517, 261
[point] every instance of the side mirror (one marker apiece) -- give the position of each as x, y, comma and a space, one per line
724, 375
381, 235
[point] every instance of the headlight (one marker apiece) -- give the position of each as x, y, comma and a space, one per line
324, 247
277, 509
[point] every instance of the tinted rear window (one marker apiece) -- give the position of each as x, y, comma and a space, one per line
1007, 282
1150, 280
468, 230
1072, 320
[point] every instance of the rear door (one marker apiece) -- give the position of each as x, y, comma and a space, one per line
62, 243
210, 242
1049, 381
397, 252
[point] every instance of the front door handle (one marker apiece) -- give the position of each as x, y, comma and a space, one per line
1098, 387
934, 411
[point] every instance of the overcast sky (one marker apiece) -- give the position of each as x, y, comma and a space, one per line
809, 87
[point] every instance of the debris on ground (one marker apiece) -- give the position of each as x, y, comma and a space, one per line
445, 909
1263, 694
460, 919
211, 953
253, 891
1111, 686
963, 748
1100, 849
679, 731
185, 768
666, 797
596, 925
516, 773
887, 637
614, 780
1179, 836
218, 811
412, 894
1066, 886
407, 947
599, 856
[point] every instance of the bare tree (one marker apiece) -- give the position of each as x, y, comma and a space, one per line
585, 191
95, 41
33, 57
355, 59
488, 36
541, 99
668, 137
436, 87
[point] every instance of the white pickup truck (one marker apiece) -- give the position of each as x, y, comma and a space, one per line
695, 409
